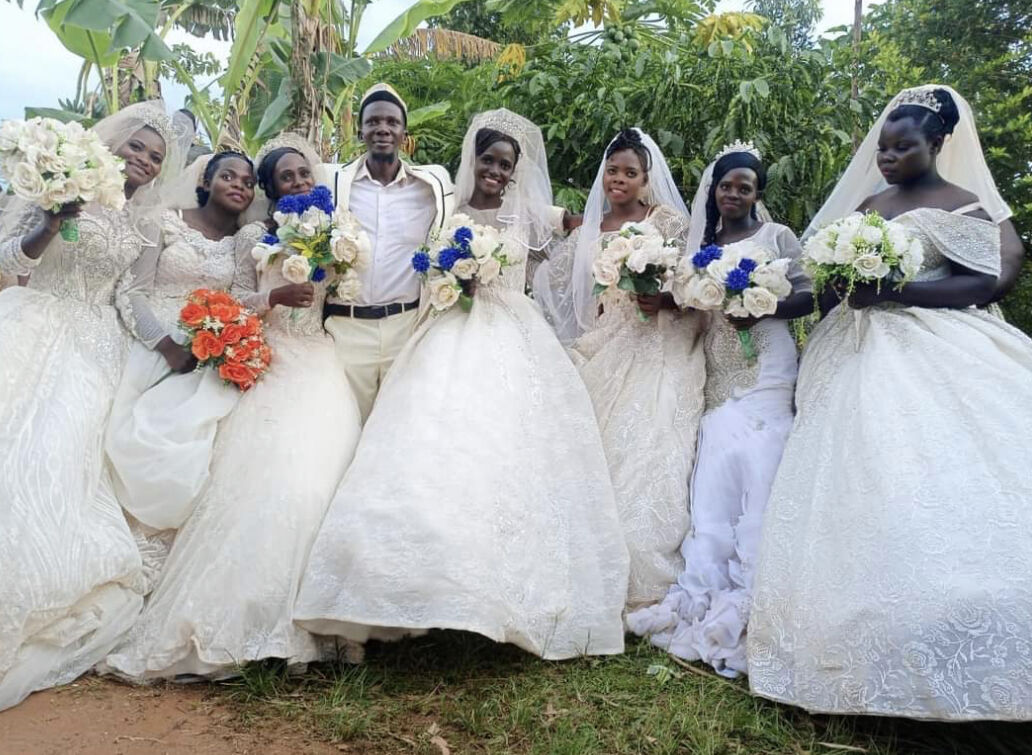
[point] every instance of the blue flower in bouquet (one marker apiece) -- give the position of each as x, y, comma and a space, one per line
463, 236
448, 257
321, 197
737, 280
706, 255
747, 264
318, 274
288, 204
270, 238
421, 262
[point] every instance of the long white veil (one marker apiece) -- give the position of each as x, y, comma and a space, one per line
261, 208
567, 298
697, 225
527, 202
961, 162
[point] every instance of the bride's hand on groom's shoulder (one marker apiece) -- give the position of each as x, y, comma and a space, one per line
293, 295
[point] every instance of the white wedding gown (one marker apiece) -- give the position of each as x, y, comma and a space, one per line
71, 579
895, 571
741, 438
646, 383
479, 497
227, 591
162, 426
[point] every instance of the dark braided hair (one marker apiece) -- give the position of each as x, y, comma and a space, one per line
203, 195
488, 136
630, 139
725, 165
932, 124
267, 170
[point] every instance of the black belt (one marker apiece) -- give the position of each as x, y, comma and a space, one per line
368, 313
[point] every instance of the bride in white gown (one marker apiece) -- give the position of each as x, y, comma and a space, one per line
226, 592
162, 427
742, 435
479, 498
645, 378
72, 579
895, 574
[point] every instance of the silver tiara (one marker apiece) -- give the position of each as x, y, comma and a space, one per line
920, 96
506, 121
285, 139
739, 146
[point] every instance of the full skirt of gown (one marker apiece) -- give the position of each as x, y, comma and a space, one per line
71, 579
226, 593
895, 573
479, 498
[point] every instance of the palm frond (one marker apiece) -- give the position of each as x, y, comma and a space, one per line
443, 44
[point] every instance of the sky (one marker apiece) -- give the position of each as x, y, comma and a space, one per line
52, 72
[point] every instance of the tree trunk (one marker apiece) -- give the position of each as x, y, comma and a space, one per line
858, 15
307, 98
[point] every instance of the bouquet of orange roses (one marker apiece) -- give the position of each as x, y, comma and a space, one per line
226, 336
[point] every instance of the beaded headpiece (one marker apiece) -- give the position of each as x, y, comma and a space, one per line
284, 139
920, 96
739, 146
506, 121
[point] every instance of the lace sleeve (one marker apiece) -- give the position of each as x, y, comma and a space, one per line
132, 296
790, 248
669, 222
245, 275
13, 261
971, 242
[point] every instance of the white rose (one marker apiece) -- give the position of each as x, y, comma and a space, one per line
735, 308
705, 292
871, 234
774, 278
343, 247
285, 219
34, 135
316, 219
88, 181
456, 221
349, 287
27, 182
261, 253
606, 272
483, 246
62, 192
465, 268
913, 257
759, 302
618, 248
718, 269
638, 260
10, 132
444, 292
296, 269
51, 162
871, 266
844, 252
818, 249
489, 270
112, 195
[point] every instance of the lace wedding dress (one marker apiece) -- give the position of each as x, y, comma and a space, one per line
227, 591
71, 573
895, 571
646, 383
479, 497
162, 426
741, 438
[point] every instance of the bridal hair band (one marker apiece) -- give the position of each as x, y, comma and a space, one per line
739, 146
920, 96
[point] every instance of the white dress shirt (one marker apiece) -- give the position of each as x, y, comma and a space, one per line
397, 217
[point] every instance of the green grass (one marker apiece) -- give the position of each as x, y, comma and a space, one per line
461, 692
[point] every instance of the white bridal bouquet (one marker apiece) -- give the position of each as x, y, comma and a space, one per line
52, 164
460, 254
862, 248
637, 260
316, 240
742, 279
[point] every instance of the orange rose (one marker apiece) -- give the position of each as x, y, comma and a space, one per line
232, 333
252, 326
264, 354
193, 314
206, 345
221, 297
236, 373
225, 313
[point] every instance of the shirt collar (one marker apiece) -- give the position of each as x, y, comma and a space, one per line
363, 173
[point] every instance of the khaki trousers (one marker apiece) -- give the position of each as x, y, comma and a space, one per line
367, 349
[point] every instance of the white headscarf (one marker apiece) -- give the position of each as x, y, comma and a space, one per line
961, 161
697, 226
261, 208
572, 307
527, 202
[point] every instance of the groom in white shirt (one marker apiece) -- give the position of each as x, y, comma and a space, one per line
398, 205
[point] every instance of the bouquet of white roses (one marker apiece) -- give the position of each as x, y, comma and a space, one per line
53, 164
742, 279
862, 248
460, 256
315, 240
637, 260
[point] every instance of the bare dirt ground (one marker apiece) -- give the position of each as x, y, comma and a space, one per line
102, 717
